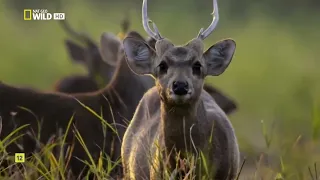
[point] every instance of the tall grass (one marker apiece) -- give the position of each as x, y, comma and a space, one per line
274, 75
51, 160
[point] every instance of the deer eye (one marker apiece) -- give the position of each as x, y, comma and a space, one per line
163, 67
196, 68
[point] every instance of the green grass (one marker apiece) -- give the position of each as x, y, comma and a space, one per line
45, 163
274, 77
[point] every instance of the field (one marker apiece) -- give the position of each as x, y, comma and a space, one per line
274, 76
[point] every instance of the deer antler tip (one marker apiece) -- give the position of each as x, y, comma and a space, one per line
205, 33
146, 21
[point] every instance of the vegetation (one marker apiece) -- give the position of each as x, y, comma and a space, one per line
274, 77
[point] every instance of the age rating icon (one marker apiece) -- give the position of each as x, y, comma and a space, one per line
19, 157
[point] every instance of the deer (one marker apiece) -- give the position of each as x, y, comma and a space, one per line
99, 72
177, 118
56, 108
115, 102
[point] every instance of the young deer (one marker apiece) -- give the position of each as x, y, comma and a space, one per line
178, 117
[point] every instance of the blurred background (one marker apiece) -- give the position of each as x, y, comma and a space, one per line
274, 76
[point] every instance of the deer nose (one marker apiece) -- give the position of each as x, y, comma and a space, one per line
180, 88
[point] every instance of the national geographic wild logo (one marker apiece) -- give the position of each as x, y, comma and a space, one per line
42, 15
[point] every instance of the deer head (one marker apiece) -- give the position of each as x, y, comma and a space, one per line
179, 70
89, 54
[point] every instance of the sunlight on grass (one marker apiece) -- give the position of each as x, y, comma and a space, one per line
274, 77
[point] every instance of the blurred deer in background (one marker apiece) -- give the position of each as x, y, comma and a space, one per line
178, 117
99, 72
114, 102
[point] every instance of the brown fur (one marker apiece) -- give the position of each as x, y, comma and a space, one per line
76, 84
224, 102
56, 109
167, 118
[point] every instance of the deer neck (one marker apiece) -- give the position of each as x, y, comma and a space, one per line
178, 124
181, 132
125, 86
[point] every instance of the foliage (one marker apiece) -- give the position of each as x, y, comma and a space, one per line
274, 75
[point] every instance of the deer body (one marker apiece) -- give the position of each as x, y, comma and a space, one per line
56, 109
177, 119
76, 84
155, 122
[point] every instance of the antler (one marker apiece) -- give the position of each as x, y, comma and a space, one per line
66, 26
125, 24
204, 34
83, 37
145, 21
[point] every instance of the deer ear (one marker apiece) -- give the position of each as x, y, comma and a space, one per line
109, 48
139, 55
152, 42
76, 52
135, 35
219, 56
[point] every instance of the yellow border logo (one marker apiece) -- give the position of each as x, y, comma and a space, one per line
25, 12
